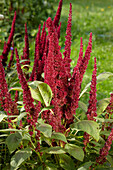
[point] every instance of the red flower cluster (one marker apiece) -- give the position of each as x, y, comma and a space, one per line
32, 110
28, 100
86, 58
5, 97
109, 108
91, 112
8, 44
104, 151
26, 48
12, 57
39, 55
58, 14
66, 89
67, 52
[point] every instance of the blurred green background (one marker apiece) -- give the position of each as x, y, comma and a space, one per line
94, 16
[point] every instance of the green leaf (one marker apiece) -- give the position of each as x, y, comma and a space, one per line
11, 73
16, 89
2, 115
10, 130
104, 120
40, 167
105, 132
41, 92
59, 136
21, 116
41, 121
101, 77
13, 141
4, 135
26, 136
55, 150
110, 159
83, 106
19, 157
85, 166
22, 61
26, 65
75, 151
89, 126
20, 102
66, 162
45, 129
50, 166
85, 89
102, 105
46, 108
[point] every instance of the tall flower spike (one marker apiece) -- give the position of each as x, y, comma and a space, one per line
3, 84
42, 40
109, 108
86, 58
58, 30
28, 100
50, 26
55, 77
74, 88
45, 54
12, 56
8, 44
26, 48
43, 46
104, 151
73, 98
79, 59
91, 112
67, 51
43, 30
5, 97
38, 44
58, 13
37, 54
4, 49
16, 96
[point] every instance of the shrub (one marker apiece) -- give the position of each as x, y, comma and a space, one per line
42, 123
32, 12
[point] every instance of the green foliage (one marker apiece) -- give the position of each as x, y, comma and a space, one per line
2, 115
75, 151
66, 162
101, 77
89, 126
59, 136
102, 105
32, 12
41, 91
85, 166
19, 157
13, 141
45, 129
55, 150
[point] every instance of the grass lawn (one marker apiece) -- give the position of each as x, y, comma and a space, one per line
94, 16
